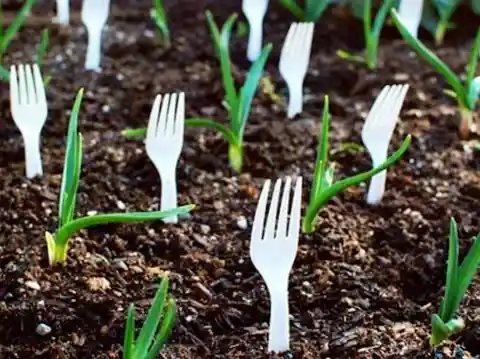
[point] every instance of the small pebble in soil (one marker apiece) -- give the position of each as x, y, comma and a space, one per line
31, 284
43, 329
242, 223
205, 229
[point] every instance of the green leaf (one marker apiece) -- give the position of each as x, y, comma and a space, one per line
432, 59
322, 152
42, 48
71, 167
476, 6
473, 60
16, 25
149, 328
222, 43
349, 56
4, 74
447, 309
129, 336
323, 197
466, 272
225, 131
247, 92
294, 8
440, 331
189, 122
159, 17
314, 9
64, 233
164, 331
474, 92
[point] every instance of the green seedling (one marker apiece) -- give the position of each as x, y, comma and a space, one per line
458, 279
238, 103
439, 23
57, 243
311, 12
8, 34
371, 34
155, 330
466, 93
159, 17
324, 186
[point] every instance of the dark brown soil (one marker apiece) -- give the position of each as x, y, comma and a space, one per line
364, 285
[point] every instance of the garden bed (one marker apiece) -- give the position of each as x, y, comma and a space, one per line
364, 285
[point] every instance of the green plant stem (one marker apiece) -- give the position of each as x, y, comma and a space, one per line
308, 224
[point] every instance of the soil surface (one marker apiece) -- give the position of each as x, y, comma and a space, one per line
364, 285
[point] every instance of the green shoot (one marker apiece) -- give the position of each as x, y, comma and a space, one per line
466, 93
312, 11
445, 9
155, 330
238, 103
371, 33
189, 122
159, 17
324, 186
20, 18
459, 278
57, 243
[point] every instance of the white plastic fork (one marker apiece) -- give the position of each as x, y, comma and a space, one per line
410, 14
94, 17
28, 105
377, 132
254, 11
63, 12
164, 143
273, 249
294, 60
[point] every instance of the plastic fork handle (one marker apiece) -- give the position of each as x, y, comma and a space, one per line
254, 47
279, 329
295, 98
94, 49
168, 199
63, 16
376, 188
33, 159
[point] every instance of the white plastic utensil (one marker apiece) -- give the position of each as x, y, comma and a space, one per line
63, 12
94, 17
410, 14
294, 60
164, 143
377, 132
28, 105
273, 248
254, 11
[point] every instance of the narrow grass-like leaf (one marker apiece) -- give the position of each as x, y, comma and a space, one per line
159, 17
314, 9
322, 152
446, 307
222, 42
71, 197
324, 196
247, 92
70, 167
42, 48
129, 336
164, 331
149, 328
472, 66
294, 8
431, 58
466, 272
16, 25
